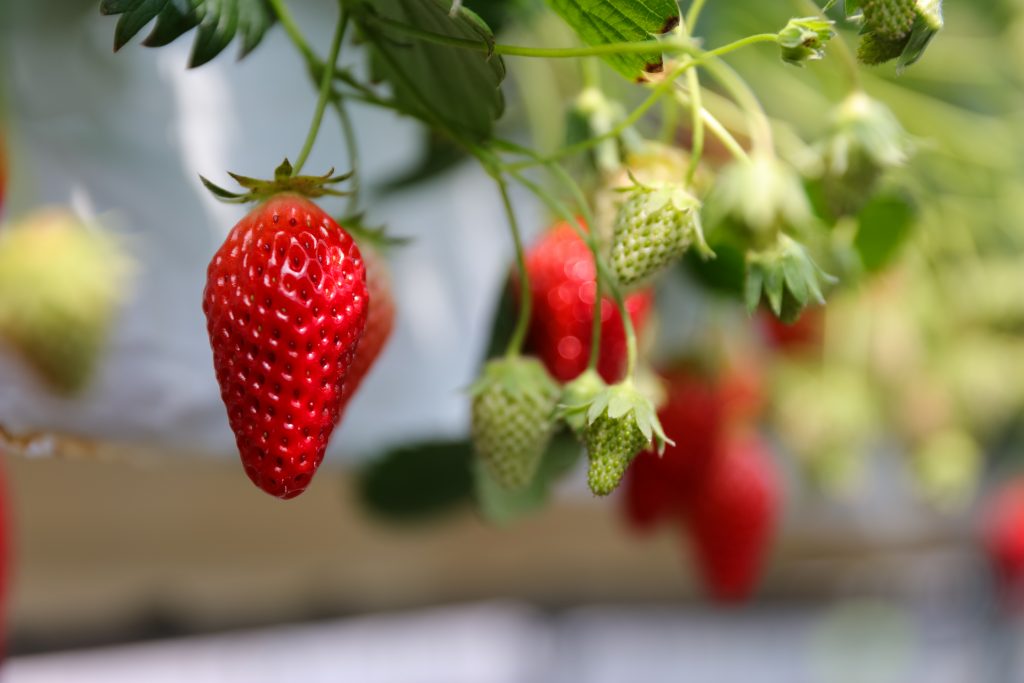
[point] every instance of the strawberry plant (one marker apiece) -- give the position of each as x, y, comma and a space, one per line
573, 307
735, 163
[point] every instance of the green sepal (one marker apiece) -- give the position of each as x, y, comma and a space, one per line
515, 374
373, 235
623, 402
787, 277
577, 396
258, 190
926, 25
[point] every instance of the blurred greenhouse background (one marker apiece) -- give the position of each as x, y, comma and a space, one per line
138, 550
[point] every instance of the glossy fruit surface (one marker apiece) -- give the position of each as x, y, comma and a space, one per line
562, 282
286, 306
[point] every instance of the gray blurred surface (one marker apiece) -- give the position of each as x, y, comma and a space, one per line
869, 642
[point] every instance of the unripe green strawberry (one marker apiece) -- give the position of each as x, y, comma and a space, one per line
759, 197
513, 418
612, 445
889, 34
875, 49
60, 285
621, 422
889, 18
654, 228
864, 140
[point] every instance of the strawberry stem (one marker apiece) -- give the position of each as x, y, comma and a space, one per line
694, 13
717, 128
515, 344
325, 92
845, 53
696, 104
761, 137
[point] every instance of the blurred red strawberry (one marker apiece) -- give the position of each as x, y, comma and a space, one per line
380, 321
698, 410
733, 518
562, 281
1002, 530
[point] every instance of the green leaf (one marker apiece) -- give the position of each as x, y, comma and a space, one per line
218, 22
452, 88
725, 275
599, 22
883, 227
501, 506
419, 481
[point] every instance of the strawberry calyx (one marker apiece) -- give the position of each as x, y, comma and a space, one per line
787, 277
373, 236
621, 423
577, 396
257, 190
625, 403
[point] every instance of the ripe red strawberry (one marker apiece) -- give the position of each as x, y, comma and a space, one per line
1003, 533
380, 320
562, 280
733, 517
286, 305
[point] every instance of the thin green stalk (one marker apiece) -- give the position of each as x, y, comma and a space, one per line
656, 94
639, 47
352, 146
644, 47
515, 344
760, 127
325, 93
696, 104
669, 120
697, 123
615, 131
717, 129
293, 30
694, 13
846, 55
